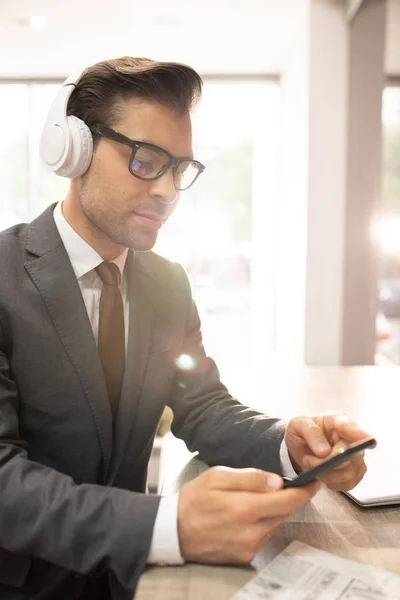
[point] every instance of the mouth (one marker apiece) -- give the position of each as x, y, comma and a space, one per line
149, 220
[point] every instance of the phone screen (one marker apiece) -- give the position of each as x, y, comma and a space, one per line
329, 463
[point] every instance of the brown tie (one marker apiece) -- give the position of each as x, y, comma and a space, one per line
111, 341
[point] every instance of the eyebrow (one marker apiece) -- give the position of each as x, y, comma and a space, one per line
189, 155
128, 139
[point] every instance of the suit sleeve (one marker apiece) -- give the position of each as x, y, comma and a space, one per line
44, 514
209, 419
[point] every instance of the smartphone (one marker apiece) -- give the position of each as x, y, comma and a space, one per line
329, 463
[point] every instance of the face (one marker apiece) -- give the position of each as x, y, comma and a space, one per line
127, 210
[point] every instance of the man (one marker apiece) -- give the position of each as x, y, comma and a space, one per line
97, 336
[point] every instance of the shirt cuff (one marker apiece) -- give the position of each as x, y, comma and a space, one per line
164, 547
286, 464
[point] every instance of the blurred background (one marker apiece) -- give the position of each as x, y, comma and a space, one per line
291, 238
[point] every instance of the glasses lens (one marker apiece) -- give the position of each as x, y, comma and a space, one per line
148, 163
186, 174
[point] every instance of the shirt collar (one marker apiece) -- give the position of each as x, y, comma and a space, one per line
82, 256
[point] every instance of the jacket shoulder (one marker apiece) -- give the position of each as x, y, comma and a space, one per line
166, 285
15, 231
163, 270
12, 241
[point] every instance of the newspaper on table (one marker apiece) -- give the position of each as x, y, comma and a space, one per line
302, 572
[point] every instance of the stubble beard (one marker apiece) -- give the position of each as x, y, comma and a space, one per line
105, 224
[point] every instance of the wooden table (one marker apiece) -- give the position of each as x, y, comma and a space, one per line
371, 395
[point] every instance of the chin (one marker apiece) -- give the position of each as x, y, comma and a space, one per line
140, 243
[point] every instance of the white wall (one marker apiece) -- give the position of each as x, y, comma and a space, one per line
392, 52
327, 158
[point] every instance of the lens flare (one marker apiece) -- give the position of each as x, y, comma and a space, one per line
184, 362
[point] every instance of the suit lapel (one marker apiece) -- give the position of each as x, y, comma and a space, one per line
51, 271
141, 314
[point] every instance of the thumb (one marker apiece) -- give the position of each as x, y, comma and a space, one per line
245, 480
312, 435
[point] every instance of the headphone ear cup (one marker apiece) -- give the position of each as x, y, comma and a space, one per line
80, 151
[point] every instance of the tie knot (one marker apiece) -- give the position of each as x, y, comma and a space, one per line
109, 273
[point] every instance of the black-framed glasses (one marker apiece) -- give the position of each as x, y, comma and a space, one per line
149, 162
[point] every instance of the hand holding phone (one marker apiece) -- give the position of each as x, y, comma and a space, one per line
329, 463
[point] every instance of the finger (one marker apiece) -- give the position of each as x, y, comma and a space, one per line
273, 532
326, 421
271, 528
270, 523
339, 446
334, 438
341, 476
311, 461
348, 483
352, 465
266, 527
281, 503
258, 534
342, 426
248, 480
312, 434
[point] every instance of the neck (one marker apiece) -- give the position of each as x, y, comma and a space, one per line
97, 239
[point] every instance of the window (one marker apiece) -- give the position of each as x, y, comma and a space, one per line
26, 187
218, 230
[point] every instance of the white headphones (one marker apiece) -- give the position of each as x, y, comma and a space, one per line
66, 143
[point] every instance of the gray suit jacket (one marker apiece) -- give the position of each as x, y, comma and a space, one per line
72, 494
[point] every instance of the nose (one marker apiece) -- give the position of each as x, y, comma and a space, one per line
163, 188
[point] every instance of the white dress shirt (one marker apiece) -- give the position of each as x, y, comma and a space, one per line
84, 259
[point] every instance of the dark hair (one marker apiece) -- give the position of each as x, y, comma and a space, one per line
98, 94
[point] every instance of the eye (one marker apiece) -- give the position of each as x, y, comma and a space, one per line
148, 162
143, 167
